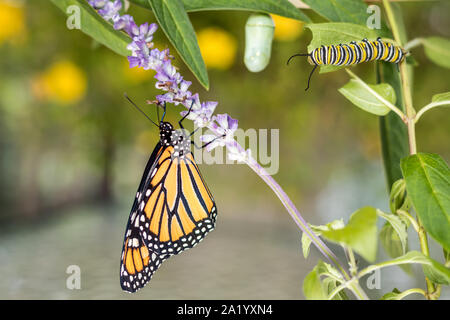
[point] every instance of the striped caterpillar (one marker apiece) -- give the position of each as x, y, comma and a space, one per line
353, 53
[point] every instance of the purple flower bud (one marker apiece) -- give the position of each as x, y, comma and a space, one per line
97, 4
125, 22
110, 10
239, 155
202, 113
223, 127
226, 122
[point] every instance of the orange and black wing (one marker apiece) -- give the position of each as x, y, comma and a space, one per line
172, 212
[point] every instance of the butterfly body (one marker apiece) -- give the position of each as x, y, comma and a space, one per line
173, 209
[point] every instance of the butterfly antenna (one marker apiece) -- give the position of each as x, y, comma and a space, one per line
310, 75
140, 110
298, 55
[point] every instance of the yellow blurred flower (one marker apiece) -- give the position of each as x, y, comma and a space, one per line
12, 21
218, 47
63, 81
286, 29
136, 75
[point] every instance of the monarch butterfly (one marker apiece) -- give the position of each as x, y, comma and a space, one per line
353, 53
173, 209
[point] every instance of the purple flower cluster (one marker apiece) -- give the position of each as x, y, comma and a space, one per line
170, 80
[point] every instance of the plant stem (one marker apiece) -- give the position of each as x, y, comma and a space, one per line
295, 214
410, 117
428, 107
392, 22
413, 43
352, 262
353, 286
410, 219
426, 251
357, 290
410, 112
411, 291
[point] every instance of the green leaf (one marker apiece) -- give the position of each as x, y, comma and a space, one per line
437, 272
329, 285
279, 7
409, 258
427, 179
394, 295
397, 196
313, 288
438, 50
446, 257
306, 241
336, 33
359, 234
306, 245
399, 227
332, 279
353, 11
392, 244
92, 24
327, 270
364, 99
316, 289
434, 270
441, 97
174, 21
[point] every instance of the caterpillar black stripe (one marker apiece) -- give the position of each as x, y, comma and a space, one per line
353, 53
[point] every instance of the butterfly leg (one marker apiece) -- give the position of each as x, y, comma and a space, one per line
208, 143
185, 116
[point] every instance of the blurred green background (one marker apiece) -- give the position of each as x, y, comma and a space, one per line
72, 152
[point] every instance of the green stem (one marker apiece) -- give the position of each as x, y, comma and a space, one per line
410, 121
352, 261
413, 43
392, 22
342, 286
426, 251
428, 107
357, 290
353, 286
410, 219
411, 291
410, 112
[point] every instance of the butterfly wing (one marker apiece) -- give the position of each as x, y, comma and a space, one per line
172, 212
138, 262
180, 209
